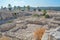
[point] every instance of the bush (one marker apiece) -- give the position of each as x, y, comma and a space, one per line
46, 16
22, 10
10, 21
15, 13
1, 18
36, 15
44, 12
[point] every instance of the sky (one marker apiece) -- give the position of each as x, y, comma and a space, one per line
33, 3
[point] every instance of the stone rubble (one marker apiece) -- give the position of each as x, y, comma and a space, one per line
23, 28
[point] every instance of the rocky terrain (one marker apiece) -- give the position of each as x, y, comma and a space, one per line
23, 28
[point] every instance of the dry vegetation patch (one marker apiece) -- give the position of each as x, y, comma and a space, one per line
39, 33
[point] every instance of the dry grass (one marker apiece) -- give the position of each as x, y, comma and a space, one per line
5, 38
39, 33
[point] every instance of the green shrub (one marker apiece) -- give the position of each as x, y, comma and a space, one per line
15, 13
9, 21
1, 18
46, 16
44, 12
36, 15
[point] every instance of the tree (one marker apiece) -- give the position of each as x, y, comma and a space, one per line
15, 7
5, 8
1, 7
28, 8
9, 7
24, 7
39, 9
34, 9
18, 7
